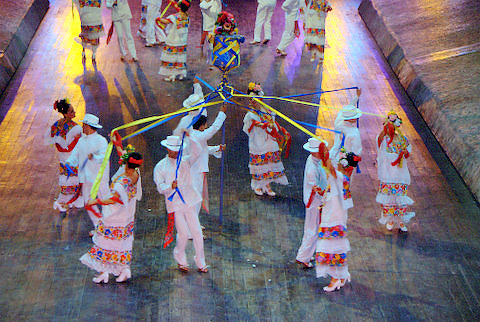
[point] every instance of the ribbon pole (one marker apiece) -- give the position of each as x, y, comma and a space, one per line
220, 213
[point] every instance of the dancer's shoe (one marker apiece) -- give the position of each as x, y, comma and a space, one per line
102, 278
124, 275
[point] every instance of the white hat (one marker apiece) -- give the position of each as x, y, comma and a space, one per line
172, 142
313, 144
193, 100
91, 120
350, 112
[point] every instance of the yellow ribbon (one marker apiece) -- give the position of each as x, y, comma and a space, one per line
163, 13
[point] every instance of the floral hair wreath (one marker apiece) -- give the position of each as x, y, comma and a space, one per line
393, 117
125, 158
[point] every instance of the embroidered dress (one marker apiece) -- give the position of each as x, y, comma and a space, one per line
265, 163
64, 136
314, 26
394, 182
112, 243
91, 21
173, 60
332, 243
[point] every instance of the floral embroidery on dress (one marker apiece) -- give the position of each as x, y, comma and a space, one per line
393, 189
69, 190
268, 175
331, 259
182, 23
63, 171
393, 210
347, 194
177, 65
262, 159
90, 3
314, 31
91, 29
175, 49
127, 184
320, 5
62, 130
398, 145
332, 232
115, 233
110, 256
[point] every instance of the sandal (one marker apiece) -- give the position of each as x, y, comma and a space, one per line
280, 52
203, 269
305, 265
183, 268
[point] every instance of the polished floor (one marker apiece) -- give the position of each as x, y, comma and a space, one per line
431, 273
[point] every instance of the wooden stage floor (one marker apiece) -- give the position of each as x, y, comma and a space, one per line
431, 273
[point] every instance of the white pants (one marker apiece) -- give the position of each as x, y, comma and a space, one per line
186, 220
123, 29
154, 32
103, 193
264, 18
289, 33
310, 234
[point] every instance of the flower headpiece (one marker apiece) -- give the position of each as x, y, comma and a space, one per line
64, 100
224, 17
125, 158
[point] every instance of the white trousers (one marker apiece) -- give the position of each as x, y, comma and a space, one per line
264, 18
103, 193
153, 32
289, 33
123, 31
186, 220
310, 234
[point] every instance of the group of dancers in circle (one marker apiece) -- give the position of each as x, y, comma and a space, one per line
326, 187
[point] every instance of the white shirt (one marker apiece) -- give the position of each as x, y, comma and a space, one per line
311, 177
201, 137
267, 3
291, 8
121, 11
164, 175
210, 11
89, 144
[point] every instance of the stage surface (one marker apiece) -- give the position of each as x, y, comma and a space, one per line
434, 49
431, 273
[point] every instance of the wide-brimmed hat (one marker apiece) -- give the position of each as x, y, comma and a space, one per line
193, 100
350, 112
313, 144
172, 142
91, 120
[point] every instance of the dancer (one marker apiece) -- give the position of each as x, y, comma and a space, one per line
332, 243
111, 252
154, 35
174, 55
263, 20
210, 10
291, 8
314, 27
393, 150
91, 26
121, 16
264, 136
64, 134
182, 199
88, 155
314, 187
142, 25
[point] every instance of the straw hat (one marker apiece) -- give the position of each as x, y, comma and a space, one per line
91, 120
172, 142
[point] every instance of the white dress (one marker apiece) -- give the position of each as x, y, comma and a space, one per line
394, 181
173, 59
91, 21
314, 27
265, 163
332, 243
112, 243
65, 135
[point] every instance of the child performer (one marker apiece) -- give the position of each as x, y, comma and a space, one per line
184, 206
265, 10
64, 134
210, 10
314, 187
111, 252
332, 243
173, 59
314, 27
264, 136
91, 26
392, 154
121, 16
291, 8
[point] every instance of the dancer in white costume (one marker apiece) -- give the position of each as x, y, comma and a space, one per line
91, 26
314, 26
263, 20
264, 134
393, 150
121, 16
314, 188
291, 8
111, 252
332, 244
64, 134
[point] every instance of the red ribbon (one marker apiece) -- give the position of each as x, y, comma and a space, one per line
315, 190
69, 147
76, 195
278, 135
169, 234
402, 154
110, 33
135, 161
